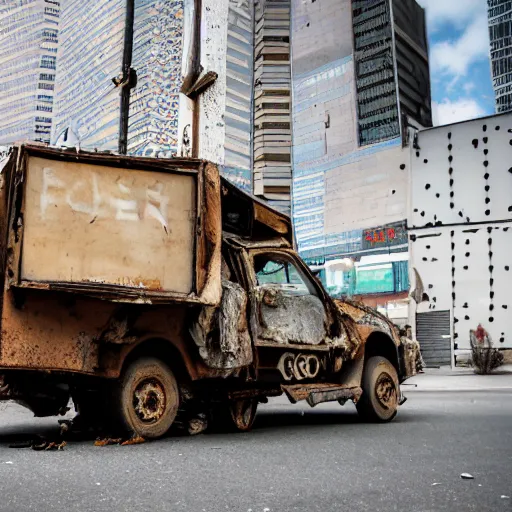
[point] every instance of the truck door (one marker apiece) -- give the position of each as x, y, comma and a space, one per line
287, 306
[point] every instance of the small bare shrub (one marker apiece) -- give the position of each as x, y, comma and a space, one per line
484, 355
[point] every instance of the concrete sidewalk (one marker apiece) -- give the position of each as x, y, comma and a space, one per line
459, 379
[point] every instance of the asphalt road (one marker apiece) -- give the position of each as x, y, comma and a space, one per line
295, 459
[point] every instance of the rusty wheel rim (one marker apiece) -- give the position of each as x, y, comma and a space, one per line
242, 412
149, 400
385, 391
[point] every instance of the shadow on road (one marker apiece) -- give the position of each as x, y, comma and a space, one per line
25, 433
279, 419
268, 419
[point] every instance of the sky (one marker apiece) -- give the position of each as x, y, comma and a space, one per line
459, 59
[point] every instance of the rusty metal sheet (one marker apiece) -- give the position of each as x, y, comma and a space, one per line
222, 334
51, 332
47, 330
368, 320
249, 217
119, 228
318, 393
286, 319
108, 225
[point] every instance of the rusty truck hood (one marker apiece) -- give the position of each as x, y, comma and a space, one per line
366, 317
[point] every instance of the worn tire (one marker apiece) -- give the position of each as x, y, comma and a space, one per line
381, 391
236, 416
146, 398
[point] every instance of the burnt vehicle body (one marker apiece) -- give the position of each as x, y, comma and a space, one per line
152, 290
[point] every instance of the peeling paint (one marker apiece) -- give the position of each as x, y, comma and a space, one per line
364, 315
222, 334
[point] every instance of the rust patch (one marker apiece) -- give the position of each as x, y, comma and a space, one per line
366, 316
117, 332
318, 393
136, 282
48, 331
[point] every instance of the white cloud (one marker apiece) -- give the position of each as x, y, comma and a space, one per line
455, 57
455, 12
448, 112
459, 39
469, 87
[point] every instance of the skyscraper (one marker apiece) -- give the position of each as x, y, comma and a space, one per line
272, 103
361, 87
28, 59
500, 32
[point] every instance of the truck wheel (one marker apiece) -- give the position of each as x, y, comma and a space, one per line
235, 416
379, 401
147, 398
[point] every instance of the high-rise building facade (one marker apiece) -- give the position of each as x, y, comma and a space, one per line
361, 87
28, 61
500, 33
110, 50
238, 116
272, 103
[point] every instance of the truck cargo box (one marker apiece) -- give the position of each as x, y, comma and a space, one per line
131, 230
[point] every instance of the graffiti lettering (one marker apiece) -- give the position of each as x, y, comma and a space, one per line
124, 203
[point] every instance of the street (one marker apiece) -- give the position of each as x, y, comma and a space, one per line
295, 459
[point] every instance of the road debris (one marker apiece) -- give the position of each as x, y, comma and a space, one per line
107, 441
134, 440
436, 483
467, 476
48, 445
504, 497
39, 443
9, 462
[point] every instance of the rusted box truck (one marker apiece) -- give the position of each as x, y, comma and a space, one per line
151, 291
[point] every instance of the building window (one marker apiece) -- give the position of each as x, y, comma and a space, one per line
50, 36
51, 11
48, 87
48, 62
